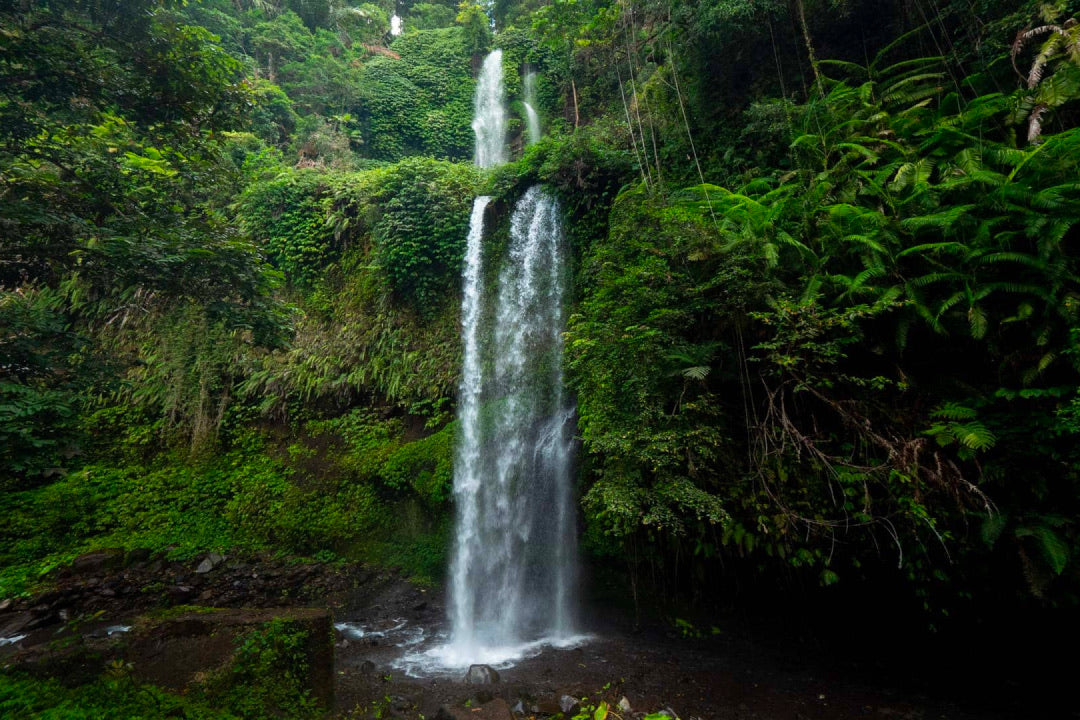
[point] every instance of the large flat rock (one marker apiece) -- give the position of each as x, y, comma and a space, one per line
176, 652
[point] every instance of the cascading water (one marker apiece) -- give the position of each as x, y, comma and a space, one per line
513, 568
532, 120
489, 113
467, 460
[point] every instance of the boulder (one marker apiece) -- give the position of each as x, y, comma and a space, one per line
210, 562
178, 652
568, 704
94, 562
481, 675
547, 706
136, 556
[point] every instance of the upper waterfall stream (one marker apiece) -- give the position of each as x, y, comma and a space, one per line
532, 119
489, 113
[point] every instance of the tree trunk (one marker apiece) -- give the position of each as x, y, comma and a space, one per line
573, 89
801, 11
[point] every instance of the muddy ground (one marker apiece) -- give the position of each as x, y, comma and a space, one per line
381, 618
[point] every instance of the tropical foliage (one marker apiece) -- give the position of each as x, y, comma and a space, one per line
825, 326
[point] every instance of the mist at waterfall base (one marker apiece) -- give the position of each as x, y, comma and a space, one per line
513, 571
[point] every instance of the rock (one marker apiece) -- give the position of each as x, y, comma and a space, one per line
43, 620
519, 708
88, 563
135, 556
548, 706
420, 606
6, 604
177, 652
367, 667
15, 624
180, 593
481, 675
624, 705
210, 562
568, 704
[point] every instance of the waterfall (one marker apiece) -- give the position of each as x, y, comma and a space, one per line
513, 567
532, 120
489, 116
466, 462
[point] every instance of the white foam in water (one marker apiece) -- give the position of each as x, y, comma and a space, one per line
399, 633
114, 629
452, 659
11, 640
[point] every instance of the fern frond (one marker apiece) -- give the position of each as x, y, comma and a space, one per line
978, 322
951, 302
787, 239
868, 155
1011, 257
974, 436
1007, 156
698, 372
1013, 289
953, 411
1023, 36
943, 220
854, 68
969, 160
867, 274
933, 278
866, 241
951, 248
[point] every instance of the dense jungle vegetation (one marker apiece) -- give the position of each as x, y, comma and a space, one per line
825, 333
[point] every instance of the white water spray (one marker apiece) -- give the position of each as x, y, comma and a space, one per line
489, 117
532, 120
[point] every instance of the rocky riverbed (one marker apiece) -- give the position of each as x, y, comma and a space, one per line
173, 622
